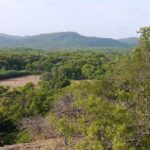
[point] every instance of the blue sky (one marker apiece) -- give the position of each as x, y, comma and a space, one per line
102, 18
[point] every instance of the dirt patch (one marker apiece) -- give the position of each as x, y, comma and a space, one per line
51, 144
20, 81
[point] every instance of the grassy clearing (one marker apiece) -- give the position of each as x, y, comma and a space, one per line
20, 81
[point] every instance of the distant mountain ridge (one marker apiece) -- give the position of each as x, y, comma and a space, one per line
62, 40
132, 41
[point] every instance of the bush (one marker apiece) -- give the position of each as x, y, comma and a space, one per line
23, 137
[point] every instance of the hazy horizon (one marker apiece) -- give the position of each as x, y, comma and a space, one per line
99, 18
66, 32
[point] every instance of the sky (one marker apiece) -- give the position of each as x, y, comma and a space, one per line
101, 18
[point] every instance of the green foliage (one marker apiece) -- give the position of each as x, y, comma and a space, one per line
17, 59
56, 79
12, 74
113, 113
19, 103
74, 65
23, 137
89, 144
103, 99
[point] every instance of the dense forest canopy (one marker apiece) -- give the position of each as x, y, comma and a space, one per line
99, 100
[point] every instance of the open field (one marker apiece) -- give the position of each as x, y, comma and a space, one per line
20, 81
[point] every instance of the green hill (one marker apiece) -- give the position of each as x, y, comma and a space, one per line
58, 41
132, 41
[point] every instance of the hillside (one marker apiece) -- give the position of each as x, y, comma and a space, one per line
58, 41
132, 41
84, 99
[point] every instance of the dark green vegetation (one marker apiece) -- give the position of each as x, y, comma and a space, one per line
61, 41
12, 74
101, 100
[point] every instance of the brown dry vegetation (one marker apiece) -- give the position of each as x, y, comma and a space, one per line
20, 81
50, 144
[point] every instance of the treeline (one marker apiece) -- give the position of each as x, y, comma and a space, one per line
73, 65
12, 74
17, 59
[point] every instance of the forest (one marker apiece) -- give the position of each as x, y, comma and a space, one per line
90, 99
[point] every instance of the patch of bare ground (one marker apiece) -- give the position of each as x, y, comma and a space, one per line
50, 144
81, 81
20, 81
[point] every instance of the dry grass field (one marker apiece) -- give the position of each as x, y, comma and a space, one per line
20, 81
50, 144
